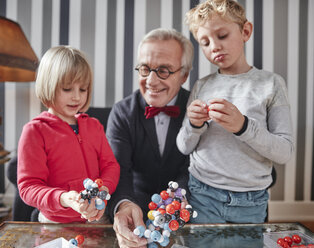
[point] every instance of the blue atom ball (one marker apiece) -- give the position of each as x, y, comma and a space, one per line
155, 235
156, 198
100, 204
165, 242
152, 245
73, 242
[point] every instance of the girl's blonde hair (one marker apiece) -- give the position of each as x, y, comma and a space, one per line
62, 66
227, 9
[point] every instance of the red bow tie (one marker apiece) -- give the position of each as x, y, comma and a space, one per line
172, 111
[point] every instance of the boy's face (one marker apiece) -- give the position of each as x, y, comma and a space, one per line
222, 43
155, 54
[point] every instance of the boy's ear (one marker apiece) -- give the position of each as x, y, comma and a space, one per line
247, 31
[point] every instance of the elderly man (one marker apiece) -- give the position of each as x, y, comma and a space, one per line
142, 130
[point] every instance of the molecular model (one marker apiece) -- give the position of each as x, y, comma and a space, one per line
165, 216
92, 190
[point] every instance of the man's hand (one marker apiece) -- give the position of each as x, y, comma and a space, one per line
128, 216
88, 211
197, 113
226, 114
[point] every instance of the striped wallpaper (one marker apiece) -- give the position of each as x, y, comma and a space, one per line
108, 31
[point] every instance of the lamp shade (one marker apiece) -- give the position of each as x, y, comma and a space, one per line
18, 62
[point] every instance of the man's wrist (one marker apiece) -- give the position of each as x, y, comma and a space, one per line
118, 205
123, 205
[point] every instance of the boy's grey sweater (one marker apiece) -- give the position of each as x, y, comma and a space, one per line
240, 163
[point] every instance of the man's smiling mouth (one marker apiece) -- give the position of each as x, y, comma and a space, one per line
154, 91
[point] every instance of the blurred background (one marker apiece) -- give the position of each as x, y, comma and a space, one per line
109, 31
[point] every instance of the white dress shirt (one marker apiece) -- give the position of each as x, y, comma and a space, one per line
162, 121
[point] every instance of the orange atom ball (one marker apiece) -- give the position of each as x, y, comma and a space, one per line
170, 209
162, 210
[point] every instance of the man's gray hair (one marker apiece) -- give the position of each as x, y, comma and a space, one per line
172, 34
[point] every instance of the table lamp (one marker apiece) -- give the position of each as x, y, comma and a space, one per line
18, 62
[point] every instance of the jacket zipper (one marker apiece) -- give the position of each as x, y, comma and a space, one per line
79, 138
80, 141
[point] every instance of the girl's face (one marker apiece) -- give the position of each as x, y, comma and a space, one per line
223, 42
69, 100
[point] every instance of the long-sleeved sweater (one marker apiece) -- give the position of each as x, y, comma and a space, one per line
240, 163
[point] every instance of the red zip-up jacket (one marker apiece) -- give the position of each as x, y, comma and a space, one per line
52, 159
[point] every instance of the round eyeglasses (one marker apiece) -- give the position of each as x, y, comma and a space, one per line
162, 71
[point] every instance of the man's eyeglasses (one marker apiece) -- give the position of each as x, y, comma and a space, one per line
162, 71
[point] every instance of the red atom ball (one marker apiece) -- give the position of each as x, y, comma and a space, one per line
164, 195
285, 245
174, 225
280, 241
296, 238
99, 182
176, 204
152, 205
288, 240
80, 239
185, 215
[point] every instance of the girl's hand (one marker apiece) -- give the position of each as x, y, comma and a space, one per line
90, 212
70, 199
226, 114
87, 210
197, 113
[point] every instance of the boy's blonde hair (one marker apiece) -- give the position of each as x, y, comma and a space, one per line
62, 66
226, 9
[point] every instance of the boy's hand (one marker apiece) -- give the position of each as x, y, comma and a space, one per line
226, 114
197, 113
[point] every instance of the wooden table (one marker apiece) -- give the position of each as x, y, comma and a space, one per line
28, 234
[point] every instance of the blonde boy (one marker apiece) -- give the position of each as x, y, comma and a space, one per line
237, 123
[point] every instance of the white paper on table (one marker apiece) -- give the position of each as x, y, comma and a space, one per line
57, 243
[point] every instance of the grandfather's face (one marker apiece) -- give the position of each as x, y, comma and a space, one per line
156, 91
